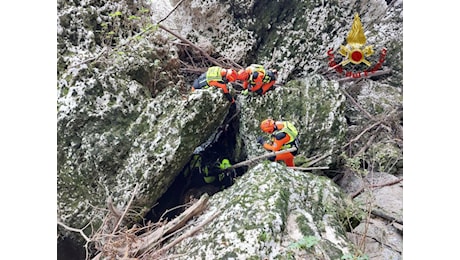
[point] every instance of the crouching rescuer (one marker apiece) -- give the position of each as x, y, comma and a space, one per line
283, 135
202, 171
217, 77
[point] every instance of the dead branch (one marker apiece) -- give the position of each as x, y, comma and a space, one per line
211, 59
153, 247
310, 168
112, 209
74, 230
90, 59
313, 157
186, 235
383, 215
175, 7
361, 134
147, 240
126, 209
250, 161
357, 104
369, 143
324, 156
354, 195
376, 240
172, 209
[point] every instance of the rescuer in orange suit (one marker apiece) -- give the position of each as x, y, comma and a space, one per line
257, 79
283, 135
217, 77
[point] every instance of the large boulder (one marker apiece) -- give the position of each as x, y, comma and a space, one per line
294, 36
126, 139
273, 212
315, 106
123, 118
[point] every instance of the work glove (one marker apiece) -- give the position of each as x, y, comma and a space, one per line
260, 140
225, 164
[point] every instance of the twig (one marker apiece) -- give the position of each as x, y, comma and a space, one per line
188, 234
318, 159
146, 242
270, 63
383, 215
361, 134
175, 7
310, 168
90, 59
376, 240
357, 105
369, 142
126, 209
214, 61
75, 230
247, 162
354, 195
171, 209
112, 209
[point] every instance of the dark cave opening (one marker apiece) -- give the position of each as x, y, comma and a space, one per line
191, 182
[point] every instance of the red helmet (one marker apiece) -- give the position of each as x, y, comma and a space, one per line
268, 126
243, 74
231, 75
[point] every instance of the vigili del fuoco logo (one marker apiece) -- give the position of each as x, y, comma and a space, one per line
355, 52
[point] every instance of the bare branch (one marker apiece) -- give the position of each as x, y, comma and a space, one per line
175, 7
147, 241
74, 230
324, 156
214, 61
357, 105
126, 209
361, 134
383, 215
369, 143
252, 160
91, 59
188, 234
310, 168
354, 195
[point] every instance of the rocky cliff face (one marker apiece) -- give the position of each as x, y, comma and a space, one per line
126, 117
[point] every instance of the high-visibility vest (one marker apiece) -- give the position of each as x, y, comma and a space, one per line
259, 69
291, 131
213, 74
